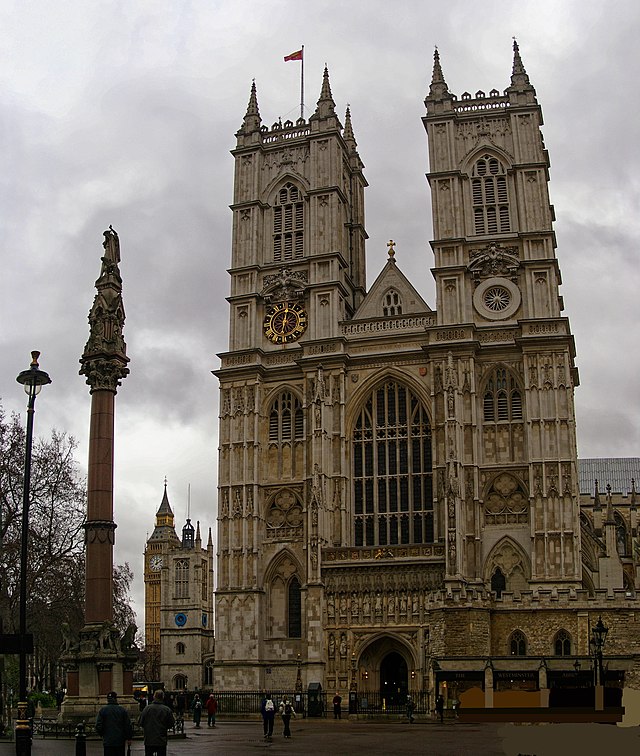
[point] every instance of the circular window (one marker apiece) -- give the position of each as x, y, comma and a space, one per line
497, 298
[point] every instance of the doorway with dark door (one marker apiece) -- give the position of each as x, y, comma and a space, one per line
394, 680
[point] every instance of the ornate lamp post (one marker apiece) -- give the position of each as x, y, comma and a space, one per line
33, 380
599, 636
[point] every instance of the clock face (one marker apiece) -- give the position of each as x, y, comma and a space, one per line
285, 322
155, 562
180, 619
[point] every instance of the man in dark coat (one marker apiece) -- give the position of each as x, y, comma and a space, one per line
268, 711
114, 725
155, 720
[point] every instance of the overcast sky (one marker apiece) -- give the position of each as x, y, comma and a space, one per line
124, 113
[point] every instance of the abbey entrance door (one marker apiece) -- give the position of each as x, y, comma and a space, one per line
393, 679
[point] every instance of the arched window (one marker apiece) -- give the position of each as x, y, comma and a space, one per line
208, 673
294, 608
502, 399
180, 682
498, 582
490, 196
180, 648
392, 475
286, 418
288, 224
562, 643
391, 303
518, 644
181, 578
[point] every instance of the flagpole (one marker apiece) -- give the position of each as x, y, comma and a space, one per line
302, 85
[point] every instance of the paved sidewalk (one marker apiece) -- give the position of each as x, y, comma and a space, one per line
345, 738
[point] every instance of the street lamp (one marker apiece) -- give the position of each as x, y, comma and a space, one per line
599, 633
33, 380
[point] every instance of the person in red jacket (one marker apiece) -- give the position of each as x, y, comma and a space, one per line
211, 706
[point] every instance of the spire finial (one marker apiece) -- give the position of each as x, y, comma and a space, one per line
326, 105
252, 118
348, 130
438, 89
519, 77
392, 248
596, 496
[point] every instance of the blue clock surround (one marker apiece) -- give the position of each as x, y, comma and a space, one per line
181, 619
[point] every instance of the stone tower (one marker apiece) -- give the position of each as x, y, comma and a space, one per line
178, 602
501, 352
297, 272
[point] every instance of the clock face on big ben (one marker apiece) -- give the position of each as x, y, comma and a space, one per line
155, 562
285, 322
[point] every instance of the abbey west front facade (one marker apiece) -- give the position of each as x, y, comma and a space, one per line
398, 485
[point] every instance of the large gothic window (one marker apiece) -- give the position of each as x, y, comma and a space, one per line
490, 196
288, 224
393, 485
286, 419
502, 397
181, 578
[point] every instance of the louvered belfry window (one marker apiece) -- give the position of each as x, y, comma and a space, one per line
490, 197
286, 418
288, 224
392, 470
502, 397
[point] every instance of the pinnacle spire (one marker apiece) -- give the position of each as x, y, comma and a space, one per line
633, 504
438, 89
349, 138
252, 118
519, 77
326, 105
165, 507
596, 496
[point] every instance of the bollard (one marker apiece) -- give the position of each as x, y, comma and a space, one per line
81, 740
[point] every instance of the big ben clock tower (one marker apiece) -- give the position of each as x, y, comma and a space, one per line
163, 538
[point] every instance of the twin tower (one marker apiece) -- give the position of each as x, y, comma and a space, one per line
390, 473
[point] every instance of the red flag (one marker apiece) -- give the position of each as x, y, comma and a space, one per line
294, 56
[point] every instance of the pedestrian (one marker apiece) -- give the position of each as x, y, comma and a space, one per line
114, 726
286, 712
440, 707
142, 701
155, 720
211, 706
196, 710
268, 711
337, 706
410, 707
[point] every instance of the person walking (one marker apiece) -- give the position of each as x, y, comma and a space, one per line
286, 712
113, 724
337, 706
196, 710
155, 720
211, 705
268, 711
440, 707
410, 707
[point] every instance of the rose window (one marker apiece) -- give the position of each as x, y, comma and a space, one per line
496, 298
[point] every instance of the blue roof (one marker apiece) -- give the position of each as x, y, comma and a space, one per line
616, 472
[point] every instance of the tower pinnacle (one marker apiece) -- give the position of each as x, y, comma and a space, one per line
252, 118
519, 77
438, 89
326, 106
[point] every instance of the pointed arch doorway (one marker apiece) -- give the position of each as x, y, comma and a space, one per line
394, 679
